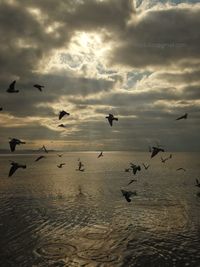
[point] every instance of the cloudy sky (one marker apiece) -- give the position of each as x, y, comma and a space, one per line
139, 60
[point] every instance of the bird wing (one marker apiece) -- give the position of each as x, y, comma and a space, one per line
12, 85
154, 152
12, 146
13, 169
127, 198
181, 117
110, 120
40, 157
197, 181
61, 115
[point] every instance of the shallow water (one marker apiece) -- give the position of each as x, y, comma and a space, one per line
62, 217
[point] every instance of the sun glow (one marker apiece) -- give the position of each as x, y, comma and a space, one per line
85, 49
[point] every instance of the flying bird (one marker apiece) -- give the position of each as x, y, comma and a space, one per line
62, 114
80, 165
182, 117
128, 194
156, 150
181, 169
13, 142
60, 165
62, 125
111, 118
14, 167
60, 155
44, 149
11, 88
197, 183
39, 87
135, 168
100, 155
131, 181
146, 166
40, 157
164, 160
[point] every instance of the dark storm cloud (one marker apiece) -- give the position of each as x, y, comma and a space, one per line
126, 98
24, 42
159, 38
181, 77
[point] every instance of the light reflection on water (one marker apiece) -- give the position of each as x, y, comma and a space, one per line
61, 217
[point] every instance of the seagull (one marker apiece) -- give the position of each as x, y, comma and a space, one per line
62, 126
61, 164
197, 183
111, 118
146, 166
128, 194
135, 168
100, 155
163, 160
62, 114
156, 150
13, 142
80, 165
40, 157
44, 148
60, 155
12, 89
1, 109
14, 167
182, 117
39, 87
181, 169
131, 181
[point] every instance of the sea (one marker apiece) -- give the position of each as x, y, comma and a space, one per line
56, 217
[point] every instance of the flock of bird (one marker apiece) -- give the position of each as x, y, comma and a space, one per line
133, 167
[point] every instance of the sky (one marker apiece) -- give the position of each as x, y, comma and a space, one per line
138, 60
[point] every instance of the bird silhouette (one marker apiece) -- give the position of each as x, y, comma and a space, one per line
164, 160
197, 183
14, 167
39, 87
40, 157
127, 170
44, 149
100, 155
11, 88
181, 169
111, 118
80, 165
128, 194
135, 168
146, 166
182, 117
156, 150
60, 165
61, 126
60, 155
13, 142
131, 181
62, 114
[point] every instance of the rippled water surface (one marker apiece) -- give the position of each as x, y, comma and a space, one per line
62, 217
